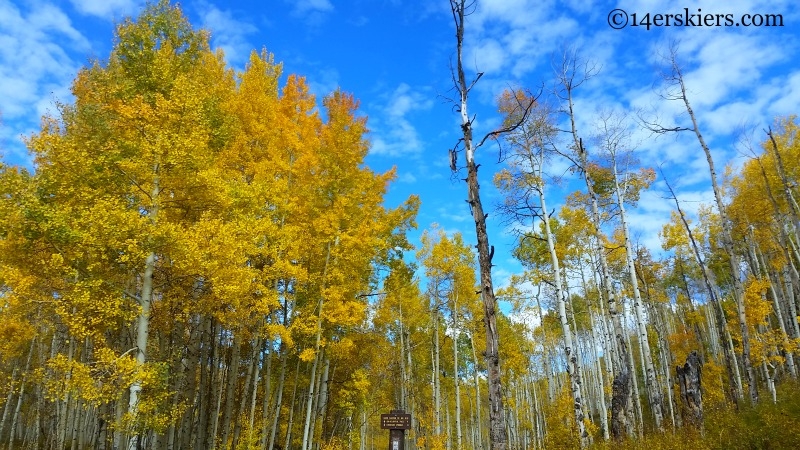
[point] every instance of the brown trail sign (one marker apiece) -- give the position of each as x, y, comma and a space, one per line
397, 422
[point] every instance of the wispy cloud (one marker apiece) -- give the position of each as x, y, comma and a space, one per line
324, 82
312, 11
393, 132
407, 177
36, 67
306, 6
107, 9
228, 32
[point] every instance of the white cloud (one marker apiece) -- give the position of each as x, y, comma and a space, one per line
487, 56
304, 6
393, 132
788, 96
107, 9
313, 12
324, 82
407, 178
39, 53
228, 33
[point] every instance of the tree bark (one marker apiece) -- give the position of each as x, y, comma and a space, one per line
145, 300
570, 350
731, 365
689, 381
455, 369
727, 242
653, 391
288, 437
278, 400
230, 390
475, 379
497, 425
317, 344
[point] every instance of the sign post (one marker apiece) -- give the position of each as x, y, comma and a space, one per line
397, 422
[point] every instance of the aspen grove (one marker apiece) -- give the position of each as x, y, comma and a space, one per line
200, 258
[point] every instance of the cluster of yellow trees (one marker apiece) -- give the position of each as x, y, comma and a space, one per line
190, 237
201, 260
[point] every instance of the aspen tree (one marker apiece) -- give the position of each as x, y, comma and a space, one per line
172, 198
676, 91
613, 140
525, 198
716, 304
571, 74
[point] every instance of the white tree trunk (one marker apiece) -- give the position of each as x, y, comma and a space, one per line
727, 242
455, 371
653, 391
145, 300
570, 351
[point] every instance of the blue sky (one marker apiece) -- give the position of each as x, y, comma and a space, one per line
395, 56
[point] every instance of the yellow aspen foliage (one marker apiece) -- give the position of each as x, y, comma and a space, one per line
95, 383
178, 209
562, 432
768, 343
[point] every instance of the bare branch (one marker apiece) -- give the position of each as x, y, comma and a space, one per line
526, 110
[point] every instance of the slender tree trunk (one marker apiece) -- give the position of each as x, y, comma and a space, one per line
278, 400
727, 242
601, 398
719, 314
770, 381
404, 380
787, 185
118, 441
202, 396
412, 436
248, 389
267, 394
570, 351
20, 396
653, 391
309, 404
497, 426
635, 405
230, 389
64, 404
478, 406
362, 442
145, 300
455, 372
317, 343
217, 378
289, 425
448, 430
9, 398
324, 395
437, 385
779, 315
790, 299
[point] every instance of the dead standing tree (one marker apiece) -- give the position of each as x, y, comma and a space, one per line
497, 426
689, 380
675, 90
